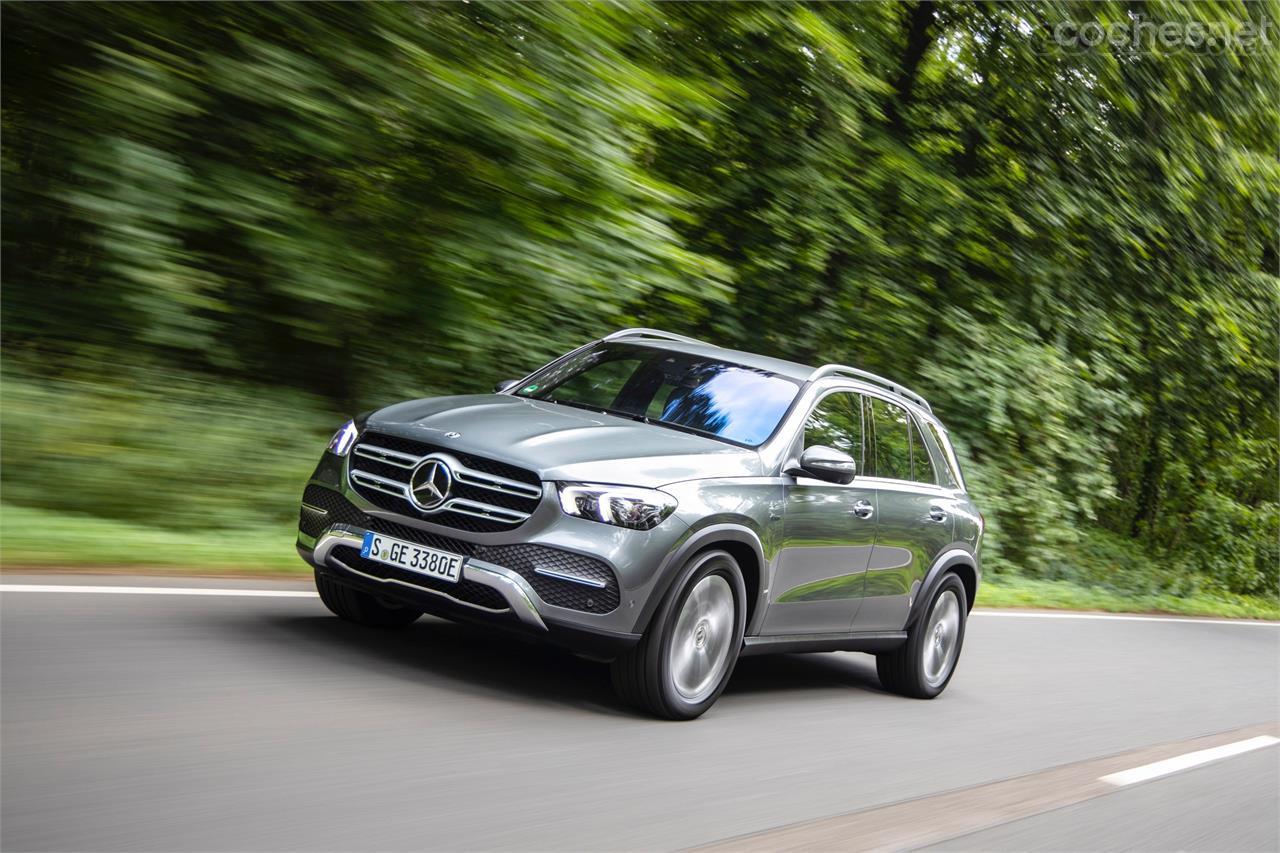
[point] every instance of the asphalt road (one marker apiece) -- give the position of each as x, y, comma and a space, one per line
163, 722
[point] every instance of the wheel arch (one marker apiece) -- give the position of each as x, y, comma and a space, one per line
741, 542
958, 561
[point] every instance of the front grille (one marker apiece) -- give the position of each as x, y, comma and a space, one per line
523, 559
464, 590
486, 495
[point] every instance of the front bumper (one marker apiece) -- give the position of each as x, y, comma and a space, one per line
520, 617
521, 580
513, 589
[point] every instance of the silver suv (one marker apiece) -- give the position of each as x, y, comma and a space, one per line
663, 504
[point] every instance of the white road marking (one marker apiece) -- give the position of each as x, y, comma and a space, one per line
288, 593
1117, 617
1187, 760
156, 590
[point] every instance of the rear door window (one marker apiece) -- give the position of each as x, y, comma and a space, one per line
892, 427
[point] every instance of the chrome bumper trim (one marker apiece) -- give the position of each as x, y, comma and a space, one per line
511, 586
562, 576
519, 596
337, 534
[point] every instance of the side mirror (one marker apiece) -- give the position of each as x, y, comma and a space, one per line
825, 463
505, 385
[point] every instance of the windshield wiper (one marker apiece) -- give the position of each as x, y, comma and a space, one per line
602, 410
644, 419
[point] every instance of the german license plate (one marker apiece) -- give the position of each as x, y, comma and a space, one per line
410, 555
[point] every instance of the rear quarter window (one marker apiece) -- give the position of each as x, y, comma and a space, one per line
951, 471
922, 468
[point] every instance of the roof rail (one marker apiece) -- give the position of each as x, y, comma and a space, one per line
652, 333
845, 370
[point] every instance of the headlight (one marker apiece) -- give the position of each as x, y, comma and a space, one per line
344, 438
625, 506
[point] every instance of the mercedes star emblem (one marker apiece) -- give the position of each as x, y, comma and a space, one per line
429, 484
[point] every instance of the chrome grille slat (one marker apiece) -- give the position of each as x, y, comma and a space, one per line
382, 484
387, 470
480, 510
496, 483
391, 457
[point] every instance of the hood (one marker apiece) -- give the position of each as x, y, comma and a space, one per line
565, 443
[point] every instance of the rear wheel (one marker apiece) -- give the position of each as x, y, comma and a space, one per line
922, 667
361, 607
683, 662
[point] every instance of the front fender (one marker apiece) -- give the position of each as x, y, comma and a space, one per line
676, 565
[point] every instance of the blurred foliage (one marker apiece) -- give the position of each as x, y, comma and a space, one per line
224, 226
176, 451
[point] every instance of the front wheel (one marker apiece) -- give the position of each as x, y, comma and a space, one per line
683, 662
924, 664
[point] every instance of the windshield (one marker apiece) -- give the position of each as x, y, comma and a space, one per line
739, 404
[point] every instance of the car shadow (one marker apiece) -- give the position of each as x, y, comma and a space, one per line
472, 659
478, 661
801, 672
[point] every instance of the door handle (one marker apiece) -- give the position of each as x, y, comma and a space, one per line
937, 513
863, 509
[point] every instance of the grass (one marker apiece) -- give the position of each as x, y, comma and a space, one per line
1013, 591
36, 538
43, 539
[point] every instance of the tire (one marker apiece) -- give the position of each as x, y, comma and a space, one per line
361, 607
684, 660
922, 666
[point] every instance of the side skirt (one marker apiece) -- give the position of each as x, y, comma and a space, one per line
867, 641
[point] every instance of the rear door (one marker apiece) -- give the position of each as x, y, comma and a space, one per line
915, 515
828, 531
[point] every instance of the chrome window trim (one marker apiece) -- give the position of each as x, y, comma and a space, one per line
905, 485
915, 416
785, 447
862, 422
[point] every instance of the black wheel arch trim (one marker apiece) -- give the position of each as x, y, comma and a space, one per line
946, 561
676, 562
